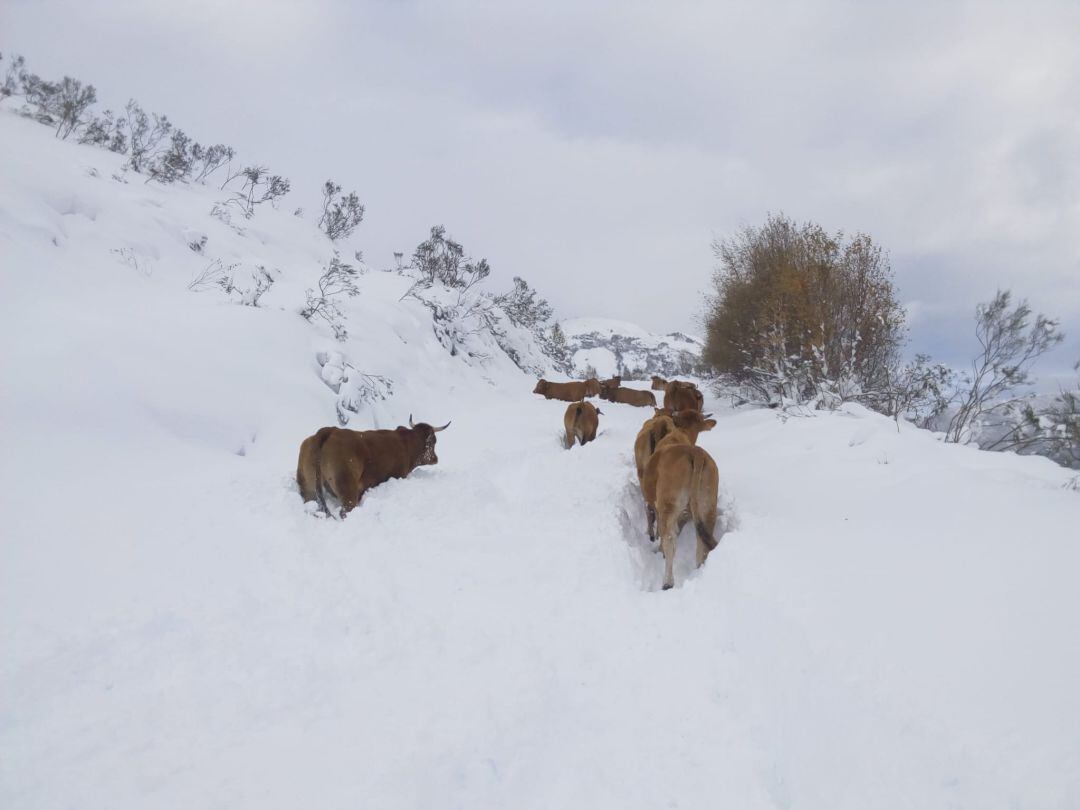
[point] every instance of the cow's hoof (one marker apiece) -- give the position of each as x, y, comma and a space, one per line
668, 587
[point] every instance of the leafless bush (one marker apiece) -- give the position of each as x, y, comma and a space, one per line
339, 279
258, 186
145, 133
225, 276
921, 391
340, 215
13, 77
207, 160
106, 132
440, 258
176, 162
212, 275
524, 306
1010, 343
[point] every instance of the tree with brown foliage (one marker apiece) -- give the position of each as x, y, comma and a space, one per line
802, 315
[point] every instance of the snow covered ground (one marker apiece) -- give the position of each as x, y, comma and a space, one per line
888, 623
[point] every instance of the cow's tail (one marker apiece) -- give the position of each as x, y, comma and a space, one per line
703, 512
572, 433
320, 439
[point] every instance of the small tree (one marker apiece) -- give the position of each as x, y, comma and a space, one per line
145, 133
69, 105
1011, 342
337, 280
340, 215
802, 314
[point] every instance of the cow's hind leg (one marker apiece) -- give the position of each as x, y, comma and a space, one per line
668, 533
650, 518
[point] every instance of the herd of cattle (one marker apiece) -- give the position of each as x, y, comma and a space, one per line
679, 480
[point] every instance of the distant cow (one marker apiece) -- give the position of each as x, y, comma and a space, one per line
658, 383
681, 396
347, 463
592, 387
681, 483
628, 396
581, 421
567, 392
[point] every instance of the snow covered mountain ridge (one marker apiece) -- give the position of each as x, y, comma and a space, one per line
613, 347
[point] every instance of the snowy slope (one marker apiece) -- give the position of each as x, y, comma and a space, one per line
618, 347
889, 622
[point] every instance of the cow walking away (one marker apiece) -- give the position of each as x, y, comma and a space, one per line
567, 391
581, 421
682, 483
347, 463
681, 396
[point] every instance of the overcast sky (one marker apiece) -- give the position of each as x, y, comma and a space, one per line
596, 149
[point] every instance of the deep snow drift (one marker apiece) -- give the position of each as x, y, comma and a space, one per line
889, 622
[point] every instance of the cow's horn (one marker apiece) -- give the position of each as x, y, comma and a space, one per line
411, 422
444, 427
706, 416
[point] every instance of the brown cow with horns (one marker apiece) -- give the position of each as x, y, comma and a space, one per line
347, 463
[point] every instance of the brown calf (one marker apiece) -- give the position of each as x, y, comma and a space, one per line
567, 392
347, 463
628, 396
681, 396
581, 422
681, 483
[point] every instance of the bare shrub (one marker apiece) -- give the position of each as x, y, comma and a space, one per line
1011, 341
207, 160
337, 280
176, 162
340, 214
440, 258
145, 134
524, 306
258, 186
106, 132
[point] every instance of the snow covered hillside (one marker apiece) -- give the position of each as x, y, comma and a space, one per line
888, 622
617, 347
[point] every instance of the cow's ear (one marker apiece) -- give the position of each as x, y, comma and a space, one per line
709, 424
